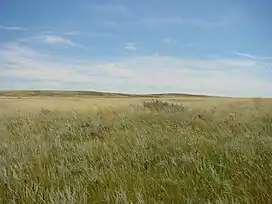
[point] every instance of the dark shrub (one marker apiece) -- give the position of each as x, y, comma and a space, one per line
158, 105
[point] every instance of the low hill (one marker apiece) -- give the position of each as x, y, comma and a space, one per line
40, 93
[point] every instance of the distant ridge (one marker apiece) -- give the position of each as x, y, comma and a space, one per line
32, 93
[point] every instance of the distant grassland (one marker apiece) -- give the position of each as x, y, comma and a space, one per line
25, 101
174, 149
85, 93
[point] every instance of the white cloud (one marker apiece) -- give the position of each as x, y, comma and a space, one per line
130, 46
232, 77
114, 70
12, 28
50, 39
241, 54
169, 41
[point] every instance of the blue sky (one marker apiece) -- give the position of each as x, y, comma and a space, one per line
218, 47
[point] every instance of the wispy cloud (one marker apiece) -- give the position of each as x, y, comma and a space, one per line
190, 44
12, 28
93, 35
242, 54
52, 40
233, 77
130, 46
175, 21
112, 9
73, 33
169, 41
45, 71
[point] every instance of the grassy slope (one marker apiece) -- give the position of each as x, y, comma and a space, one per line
156, 154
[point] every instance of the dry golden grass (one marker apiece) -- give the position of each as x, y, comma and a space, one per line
103, 150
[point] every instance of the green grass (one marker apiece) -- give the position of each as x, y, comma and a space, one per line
156, 153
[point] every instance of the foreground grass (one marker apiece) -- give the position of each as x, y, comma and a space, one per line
158, 153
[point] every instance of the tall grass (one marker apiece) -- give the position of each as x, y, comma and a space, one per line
157, 153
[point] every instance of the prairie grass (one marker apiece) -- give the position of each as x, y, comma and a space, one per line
157, 152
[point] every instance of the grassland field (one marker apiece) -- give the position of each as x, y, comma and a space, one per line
71, 147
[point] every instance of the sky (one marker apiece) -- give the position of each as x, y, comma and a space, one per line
215, 47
